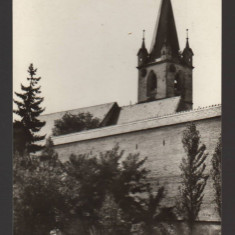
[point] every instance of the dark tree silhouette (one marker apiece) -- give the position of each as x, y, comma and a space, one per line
71, 123
88, 194
193, 175
217, 175
153, 215
19, 137
29, 110
111, 218
39, 201
95, 182
108, 193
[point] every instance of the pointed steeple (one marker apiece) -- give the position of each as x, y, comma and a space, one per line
143, 48
142, 53
187, 41
188, 53
143, 44
165, 32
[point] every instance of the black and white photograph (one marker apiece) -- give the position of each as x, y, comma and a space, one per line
117, 117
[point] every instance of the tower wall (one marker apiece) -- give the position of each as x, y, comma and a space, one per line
186, 76
166, 73
160, 71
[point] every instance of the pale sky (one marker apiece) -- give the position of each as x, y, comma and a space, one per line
85, 50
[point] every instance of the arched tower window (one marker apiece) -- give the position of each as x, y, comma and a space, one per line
151, 84
178, 84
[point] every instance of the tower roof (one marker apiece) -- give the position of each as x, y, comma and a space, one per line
143, 48
165, 31
187, 47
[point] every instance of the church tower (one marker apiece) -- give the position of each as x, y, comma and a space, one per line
164, 72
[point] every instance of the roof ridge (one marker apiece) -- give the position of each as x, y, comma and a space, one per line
191, 111
150, 102
46, 114
177, 113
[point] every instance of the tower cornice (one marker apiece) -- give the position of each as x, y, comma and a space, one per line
164, 61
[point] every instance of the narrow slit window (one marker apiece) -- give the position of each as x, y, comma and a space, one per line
152, 83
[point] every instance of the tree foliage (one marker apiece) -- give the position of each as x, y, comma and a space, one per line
19, 137
89, 194
71, 123
29, 110
112, 219
153, 215
90, 178
193, 174
37, 192
109, 193
216, 173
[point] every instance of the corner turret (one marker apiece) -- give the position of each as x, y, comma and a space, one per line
142, 53
188, 53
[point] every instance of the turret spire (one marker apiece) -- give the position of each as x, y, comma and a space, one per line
142, 53
165, 31
143, 43
187, 39
188, 52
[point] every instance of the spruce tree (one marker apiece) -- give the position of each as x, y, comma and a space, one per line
193, 175
29, 110
216, 173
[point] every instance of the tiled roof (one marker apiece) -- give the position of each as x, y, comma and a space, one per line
148, 110
98, 111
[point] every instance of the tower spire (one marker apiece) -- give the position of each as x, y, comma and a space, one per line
187, 39
143, 43
187, 52
165, 31
142, 53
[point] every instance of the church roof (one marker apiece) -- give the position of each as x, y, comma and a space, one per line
110, 113
148, 110
98, 111
171, 119
131, 118
165, 31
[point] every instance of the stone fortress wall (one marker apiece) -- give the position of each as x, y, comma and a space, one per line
158, 139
